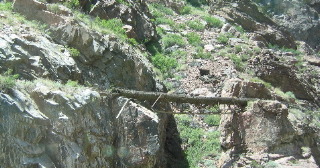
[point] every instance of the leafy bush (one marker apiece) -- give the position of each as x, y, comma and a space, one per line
173, 39
258, 80
72, 83
164, 20
164, 63
193, 39
283, 49
73, 52
239, 65
115, 25
74, 4
123, 2
8, 80
198, 142
224, 38
213, 22
202, 54
196, 25
186, 10
212, 120
54, 8
178, 54
6, 6
197, 3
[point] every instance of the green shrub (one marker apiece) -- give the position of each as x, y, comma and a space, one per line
178, 54
115, 25
133, 41
224, 38
74, 4
197, 3
212, 120
239, 65
164, 20
213, 22
8, 80
193, 39
258, 80
73, 52
283, 49
173, 39
54, 8
123, 2
238, 48
200, 53
240, 29
163, 9
196, 25
186, 10
271, 164
72, 83
164, 63
198, 142
7, 6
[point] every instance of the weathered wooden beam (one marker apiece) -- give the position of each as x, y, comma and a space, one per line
178, 98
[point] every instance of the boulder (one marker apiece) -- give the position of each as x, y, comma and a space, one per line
239, 88
136, 15
35, 10
246, 14
76, 127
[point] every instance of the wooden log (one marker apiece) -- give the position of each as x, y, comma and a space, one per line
178, 98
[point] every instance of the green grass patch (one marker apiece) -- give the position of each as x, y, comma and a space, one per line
213, 22
7, 6
164, 63
223, 38
196, 25
73, 52
238, 62
197, 3
72, 83
193, 39
258, 80
212, 120
74, 4
8, 80
186, 10
200, 53
283, 49
173, 39
198, 142
115, 25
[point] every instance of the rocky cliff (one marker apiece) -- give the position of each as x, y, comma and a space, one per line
60, 60
49, 119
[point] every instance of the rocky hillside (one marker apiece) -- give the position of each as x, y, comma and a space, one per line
60, 60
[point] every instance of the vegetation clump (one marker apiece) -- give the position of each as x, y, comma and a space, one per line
213, 22
198, 143
196, 25
8, 80
170, 40
73, 52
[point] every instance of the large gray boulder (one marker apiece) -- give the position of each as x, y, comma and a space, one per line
134, 14
60, 126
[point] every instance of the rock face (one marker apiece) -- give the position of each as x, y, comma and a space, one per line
246, 14
264, 132
77, 127
282, 75
136, 15
35, 10
48, 124
300, 18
